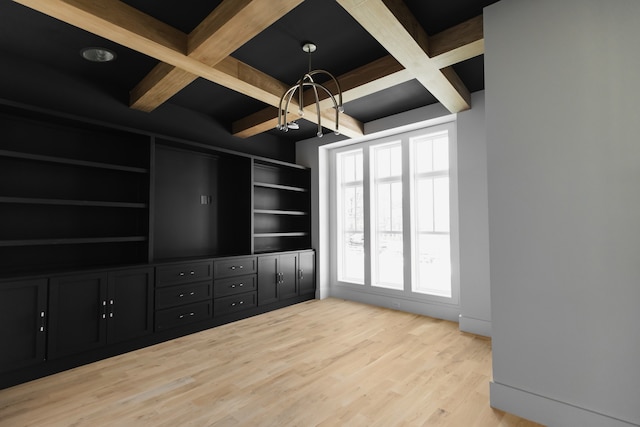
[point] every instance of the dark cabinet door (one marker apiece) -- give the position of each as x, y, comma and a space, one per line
22, 323
129, 304
268, 278
306, 273
288, 268
277, 277
78, 313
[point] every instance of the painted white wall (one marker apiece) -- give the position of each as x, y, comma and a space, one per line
474, 310
563, 175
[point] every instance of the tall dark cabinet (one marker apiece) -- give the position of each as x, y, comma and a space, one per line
112, 239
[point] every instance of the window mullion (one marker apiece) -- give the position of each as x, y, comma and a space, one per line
366, 194
407, 212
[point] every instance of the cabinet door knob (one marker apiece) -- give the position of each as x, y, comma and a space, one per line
42, 316
192, 273
181, 273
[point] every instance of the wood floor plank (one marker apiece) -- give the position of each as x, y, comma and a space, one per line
319, 363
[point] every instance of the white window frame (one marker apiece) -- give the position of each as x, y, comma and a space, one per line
408, 216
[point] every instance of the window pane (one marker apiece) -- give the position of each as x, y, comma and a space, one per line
441, 203
350, 217
434, 265
358, 166
432, 274
396, 160
441, 154
423, 152
424, 204
387, 253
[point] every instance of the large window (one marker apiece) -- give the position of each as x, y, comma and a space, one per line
351, 217
432, 274
387, 248
395, 223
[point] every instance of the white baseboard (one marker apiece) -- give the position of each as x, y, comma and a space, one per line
549, 412
475, 326
437, 311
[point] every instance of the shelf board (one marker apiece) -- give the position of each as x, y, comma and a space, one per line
71, 241
292, 234
69, 202
72, 162
280, 187
279, 212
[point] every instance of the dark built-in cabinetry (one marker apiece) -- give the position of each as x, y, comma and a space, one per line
113, 239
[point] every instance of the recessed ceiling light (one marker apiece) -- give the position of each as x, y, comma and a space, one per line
98, 54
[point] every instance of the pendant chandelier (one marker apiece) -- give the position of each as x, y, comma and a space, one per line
307, 81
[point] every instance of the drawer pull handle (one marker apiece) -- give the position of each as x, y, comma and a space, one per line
182, 316
234, 267
181, 273
192, 273
233, 304
192, 293
181, 295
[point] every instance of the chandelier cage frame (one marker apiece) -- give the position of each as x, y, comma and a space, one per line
307, 81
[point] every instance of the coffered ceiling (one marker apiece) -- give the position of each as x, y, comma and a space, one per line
231, 60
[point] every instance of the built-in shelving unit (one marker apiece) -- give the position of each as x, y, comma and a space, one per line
71, 194
281, 205
92, 216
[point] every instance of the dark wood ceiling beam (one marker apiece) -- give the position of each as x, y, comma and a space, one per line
391, 23
229, 26
127, 26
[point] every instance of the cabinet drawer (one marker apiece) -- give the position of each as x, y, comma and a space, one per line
234, 285
231, 304
173, 296
183, 273
234, 267
184, 315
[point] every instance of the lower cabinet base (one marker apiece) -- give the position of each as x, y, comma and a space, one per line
50, 367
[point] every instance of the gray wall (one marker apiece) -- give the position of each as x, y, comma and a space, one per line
563, 173
474, 310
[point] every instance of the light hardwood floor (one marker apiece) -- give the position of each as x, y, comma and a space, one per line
319, 363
